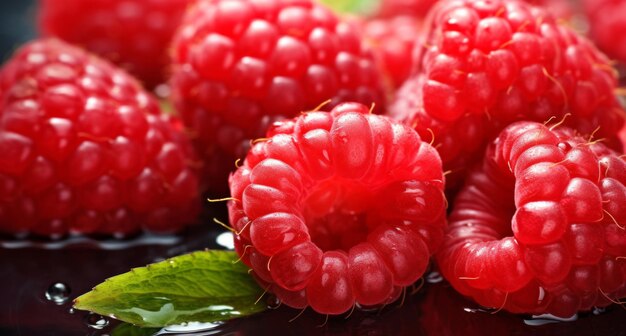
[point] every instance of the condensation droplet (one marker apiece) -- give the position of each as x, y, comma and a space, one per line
272, 301
58, 293
71, 311
95, 321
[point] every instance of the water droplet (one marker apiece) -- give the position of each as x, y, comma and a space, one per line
190, 327
434, 277
58, 293
71, 311
598, 310
272, 301
226, 240
95, 321
364, 308
543, 319
478, 310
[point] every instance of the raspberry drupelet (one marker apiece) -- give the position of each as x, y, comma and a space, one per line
241, 65
539, 226
134, 34
485, 64
337, 209
85, 150
607, 26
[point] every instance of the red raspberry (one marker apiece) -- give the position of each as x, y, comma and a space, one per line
337, 208
241, 65
420, 8
608, 26
486, 64
414, 8
135, 34
539, 226
84, 149
393, 40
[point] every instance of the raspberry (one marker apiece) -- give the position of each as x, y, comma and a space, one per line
393, 40
241, 65
337, 208
536, 228
84, 149
414, 8
607, 26
420, 8
134, 34
486, 64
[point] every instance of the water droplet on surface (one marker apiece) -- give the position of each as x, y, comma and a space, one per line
226, 240
71, 311
478, 310
95, 321
434, 277
364, 308
191, 327
598, 310
543, 319
58, 293
272, 301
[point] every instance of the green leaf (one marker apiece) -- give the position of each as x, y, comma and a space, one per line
205, 286
127, 329
352, 6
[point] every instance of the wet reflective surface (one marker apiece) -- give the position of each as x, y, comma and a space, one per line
40, 279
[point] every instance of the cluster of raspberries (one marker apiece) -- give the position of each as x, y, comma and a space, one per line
483, 133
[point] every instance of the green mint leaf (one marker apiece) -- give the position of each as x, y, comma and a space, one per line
127, 329
205, 286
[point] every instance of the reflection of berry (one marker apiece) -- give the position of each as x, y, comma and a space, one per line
135, 34
486, 64
83, 149
539, 227
240, 65
608, 26
337, 208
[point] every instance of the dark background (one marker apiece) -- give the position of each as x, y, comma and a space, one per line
17, 19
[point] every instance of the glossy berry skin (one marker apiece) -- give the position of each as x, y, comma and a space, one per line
134, 34
85, 150
420, 8
539, 226
486, 64
414, 8
607, 26
393, 40
241, 65
338, 208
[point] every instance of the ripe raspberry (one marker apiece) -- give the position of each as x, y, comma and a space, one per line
486, 64
83, 149
539, 226
241, 65
393, 41
420, 8
337, 208
134, 34
607, 26
414, 8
